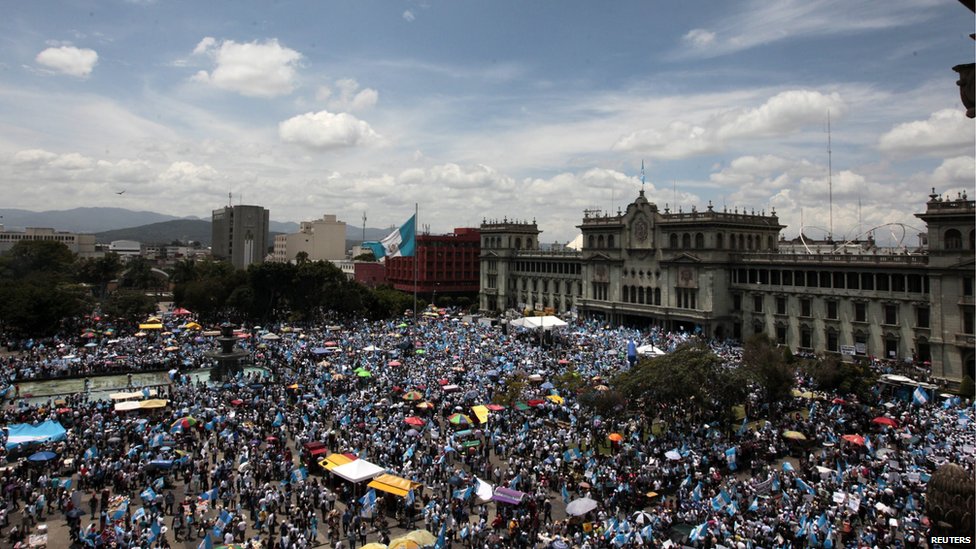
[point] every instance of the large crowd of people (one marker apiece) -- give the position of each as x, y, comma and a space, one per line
230, 462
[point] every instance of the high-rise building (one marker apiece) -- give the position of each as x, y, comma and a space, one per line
240, 235
446, 264
321, 240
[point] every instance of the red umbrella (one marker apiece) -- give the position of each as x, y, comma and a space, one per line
883, 420
237, 402
838, 401
442, 382
563, 361
535, 402
393, 363
330, 344
495, 407
854, 439
415, 421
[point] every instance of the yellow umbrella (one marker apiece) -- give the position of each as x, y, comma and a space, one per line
404, 543
422, 537
651, 494
374, 545
794, 435
556, 398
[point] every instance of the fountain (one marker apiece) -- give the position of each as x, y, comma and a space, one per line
230, 359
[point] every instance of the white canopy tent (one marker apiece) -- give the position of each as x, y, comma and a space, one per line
650, 350
537, 322
358, 470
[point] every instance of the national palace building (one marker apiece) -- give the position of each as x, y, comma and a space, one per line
728, 274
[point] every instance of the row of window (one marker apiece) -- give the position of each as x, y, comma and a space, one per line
641, 295
859, 309
552, 267
881, 282
690, 241
496, 242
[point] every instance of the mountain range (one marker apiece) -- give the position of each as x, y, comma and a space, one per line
110, 224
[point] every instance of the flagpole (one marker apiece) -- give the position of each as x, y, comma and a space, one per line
416, 261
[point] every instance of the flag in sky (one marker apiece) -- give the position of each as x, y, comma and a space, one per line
400, 242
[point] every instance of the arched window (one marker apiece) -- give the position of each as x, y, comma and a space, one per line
518, 243
749, 242
719, 241
625, 293
686, 241
699, 241
599, 241
972, 240
953, 240
657, 296
742, 242
640, 295
590, 242
770, 243
674, 240
610, 241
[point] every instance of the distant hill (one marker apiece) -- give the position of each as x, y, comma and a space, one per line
110, 224
161, 233
80, 220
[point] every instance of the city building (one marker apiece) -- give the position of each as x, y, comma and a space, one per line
240, 235
126, 249
321, 240
728, 274
79, 243
446, 264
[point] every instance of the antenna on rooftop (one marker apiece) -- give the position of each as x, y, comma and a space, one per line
830, 181
364, 226
230, 199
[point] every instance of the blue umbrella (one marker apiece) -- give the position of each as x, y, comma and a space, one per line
631, 349
162, 463
42, 456
319, 350
547, 385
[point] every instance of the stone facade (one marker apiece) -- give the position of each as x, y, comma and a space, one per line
723, 274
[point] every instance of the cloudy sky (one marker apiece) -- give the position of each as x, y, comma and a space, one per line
486, 109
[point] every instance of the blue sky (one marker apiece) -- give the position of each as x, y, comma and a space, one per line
486, 109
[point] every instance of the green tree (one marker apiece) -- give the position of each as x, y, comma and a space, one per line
129, 305
766, 365
37, 290
98, 272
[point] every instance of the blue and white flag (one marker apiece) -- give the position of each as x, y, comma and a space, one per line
754, 506
410, 498
730, 458
742, 428
91, 453
920, 397
209, 495
368, 500
787, 466
698, 532
148, 493
145, 392
565, 494
399, 243
221, 523
696, 494
686, 481
154, 530
206, 542
278, 420
441, 542
299, 474
804, 486
139, 513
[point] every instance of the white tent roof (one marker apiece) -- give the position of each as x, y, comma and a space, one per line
577, 243
649, 350
358, 470
536, 322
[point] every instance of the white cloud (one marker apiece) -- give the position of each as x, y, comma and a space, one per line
946, 132
785, 113
350, 98
188, 173
69, 60
408, 16
954, 173
325, 130
34, 157
699, 37
760, 22
254, 69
